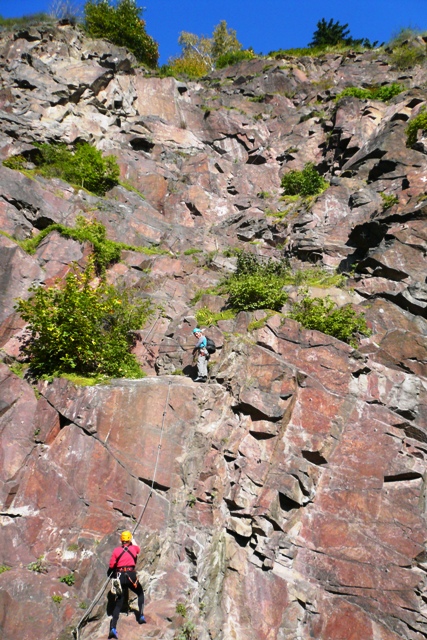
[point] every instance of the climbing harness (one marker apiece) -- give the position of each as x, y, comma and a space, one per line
76, 630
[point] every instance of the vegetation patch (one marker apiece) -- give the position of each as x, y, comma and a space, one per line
82, 381
388, 200
69, 579
84, 166
323, 314
3, 568
39, 565
258, 324
201, 54
187, 630
256, 284
25, 21
307, 182
233, 57
121, 23
82, 326
190, 252
407, 56
384, 93
419, 123
105, 251
205, 317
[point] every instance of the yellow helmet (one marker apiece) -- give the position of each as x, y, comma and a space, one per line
126, 536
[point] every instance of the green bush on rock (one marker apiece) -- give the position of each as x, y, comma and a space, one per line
385, 93
322, 314
303, 183
85, 167
82, 326
256, 284
121, 23
419, 123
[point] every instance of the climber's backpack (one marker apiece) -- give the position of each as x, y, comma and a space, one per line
210, 345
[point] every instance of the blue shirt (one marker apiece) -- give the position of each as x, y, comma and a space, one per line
202, 343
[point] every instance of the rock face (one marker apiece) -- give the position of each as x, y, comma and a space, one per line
286, 498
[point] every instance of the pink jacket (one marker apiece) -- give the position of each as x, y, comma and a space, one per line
126, 560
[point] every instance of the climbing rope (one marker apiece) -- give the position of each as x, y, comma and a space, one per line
98, 596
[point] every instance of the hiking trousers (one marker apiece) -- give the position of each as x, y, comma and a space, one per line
202, 366
128, 580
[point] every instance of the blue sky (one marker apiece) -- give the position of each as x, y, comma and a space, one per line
265, 26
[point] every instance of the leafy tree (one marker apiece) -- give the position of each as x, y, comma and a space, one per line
121, 23
82, 326
196, 57
224, 40
200, 54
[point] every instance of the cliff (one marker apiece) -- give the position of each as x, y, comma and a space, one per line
289, 495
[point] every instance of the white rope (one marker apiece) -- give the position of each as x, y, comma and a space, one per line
98, 596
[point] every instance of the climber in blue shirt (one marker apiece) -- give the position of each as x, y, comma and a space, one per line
201, 353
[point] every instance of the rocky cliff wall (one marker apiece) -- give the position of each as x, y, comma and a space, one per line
289, 498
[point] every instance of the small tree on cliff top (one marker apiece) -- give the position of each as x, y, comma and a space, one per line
333, 34
200, 53
121, 23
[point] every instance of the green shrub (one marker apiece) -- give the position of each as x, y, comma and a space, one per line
190, 65
403, 35
387, 92
322, 314
181, 609
256, 284
4, 568
205, 317
418, 123
407, 56
82, 327
57, 598
233, 57
38, 566
69, 579
121, 23
388, 201
105, 251
85, 166
384, 93
17, 163
190, 252
251, 292
304, 183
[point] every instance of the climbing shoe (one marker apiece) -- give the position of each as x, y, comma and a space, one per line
142, 620
200, 379
113, 634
